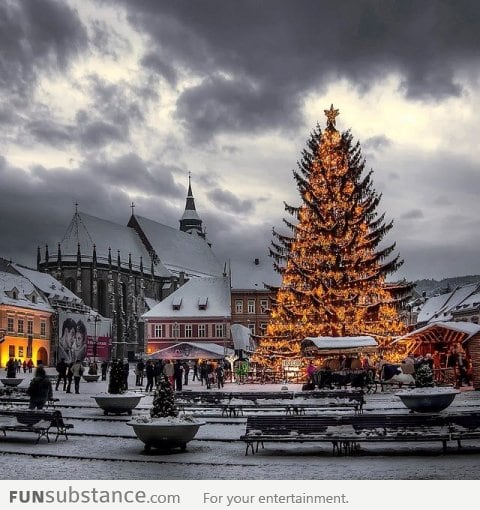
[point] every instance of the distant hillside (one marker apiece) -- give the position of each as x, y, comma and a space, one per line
433, 287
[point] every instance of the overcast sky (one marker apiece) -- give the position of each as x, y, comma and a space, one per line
107, 102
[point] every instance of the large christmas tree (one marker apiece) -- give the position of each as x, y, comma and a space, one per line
333, 271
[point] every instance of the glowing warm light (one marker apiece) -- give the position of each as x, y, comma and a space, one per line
333, 274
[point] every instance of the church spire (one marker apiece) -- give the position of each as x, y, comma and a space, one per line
190, 221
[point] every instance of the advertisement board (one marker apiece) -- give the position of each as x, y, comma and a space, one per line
83, 337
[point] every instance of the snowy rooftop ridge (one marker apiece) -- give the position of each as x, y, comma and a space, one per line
184, 302
51, 287
16, 290
179, 251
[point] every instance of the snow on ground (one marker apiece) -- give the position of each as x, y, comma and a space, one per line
106, 448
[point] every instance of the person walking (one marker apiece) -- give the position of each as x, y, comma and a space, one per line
220, 375
104, 369
39, 390
150, 373
139, 372
195, 371
186, 370
126, 371
69, 378
168, 370
178, 375
62, 368
77, 371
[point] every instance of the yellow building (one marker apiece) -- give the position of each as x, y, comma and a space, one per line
25, 321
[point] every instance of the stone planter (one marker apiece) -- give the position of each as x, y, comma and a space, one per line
159, 433
91, 377
428, 400
11, 381
118, 404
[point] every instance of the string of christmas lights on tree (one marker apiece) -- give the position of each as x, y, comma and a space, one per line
333, 271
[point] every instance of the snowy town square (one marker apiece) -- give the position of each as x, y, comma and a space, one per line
239, 242
104, 447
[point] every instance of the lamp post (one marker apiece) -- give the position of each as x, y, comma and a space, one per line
95, 319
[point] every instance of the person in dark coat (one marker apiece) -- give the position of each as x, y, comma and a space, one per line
40, 389
104, 369
62, 368
69, 378
178, 375
150, 373
126, 370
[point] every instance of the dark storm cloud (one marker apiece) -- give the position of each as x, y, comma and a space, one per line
154, 62
132, 173
37, 205
225, 199
413, 214
36, 36
274, 52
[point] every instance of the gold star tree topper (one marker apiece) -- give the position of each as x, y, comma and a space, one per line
331, 114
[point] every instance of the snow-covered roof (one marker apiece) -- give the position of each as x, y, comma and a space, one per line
88, 230
253, 273
340, 342
190, 214
51, 287
467, 329
151, 303
193, 350
184, 302
439, 308
16, 290
180, 251
242, 337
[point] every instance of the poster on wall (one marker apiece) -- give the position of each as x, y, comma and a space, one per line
83, 337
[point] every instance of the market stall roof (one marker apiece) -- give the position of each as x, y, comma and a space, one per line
338, 344
193, 350
446, 332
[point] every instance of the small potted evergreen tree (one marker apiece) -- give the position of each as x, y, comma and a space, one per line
426, 397
164, 428
118, 400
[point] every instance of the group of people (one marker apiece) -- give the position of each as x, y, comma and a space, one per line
68, 373
178, 373
14, 366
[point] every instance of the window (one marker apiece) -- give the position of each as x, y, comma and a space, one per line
251, 327
20, 326
34, 298
251, 306
10, 325
176, 330
263, 328
238, 306
11, 351
202, 303
188, 331
264, 305
158, 331
219, 330
30, 327
202, 330
43, 328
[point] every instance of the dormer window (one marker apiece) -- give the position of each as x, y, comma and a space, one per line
34, 299
14, 294
202, 303
177, 303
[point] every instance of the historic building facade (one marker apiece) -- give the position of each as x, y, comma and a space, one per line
122, 270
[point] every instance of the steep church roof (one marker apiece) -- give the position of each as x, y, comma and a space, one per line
178, 250
86, 230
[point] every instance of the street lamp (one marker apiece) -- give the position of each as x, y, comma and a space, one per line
95, 319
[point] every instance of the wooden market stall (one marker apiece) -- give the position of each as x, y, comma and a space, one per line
440, 337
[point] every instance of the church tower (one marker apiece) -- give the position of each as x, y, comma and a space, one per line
190, 221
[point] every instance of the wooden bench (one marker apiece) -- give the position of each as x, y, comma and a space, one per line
345, 432
10, 401
234, 404
38, 422
464, 426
